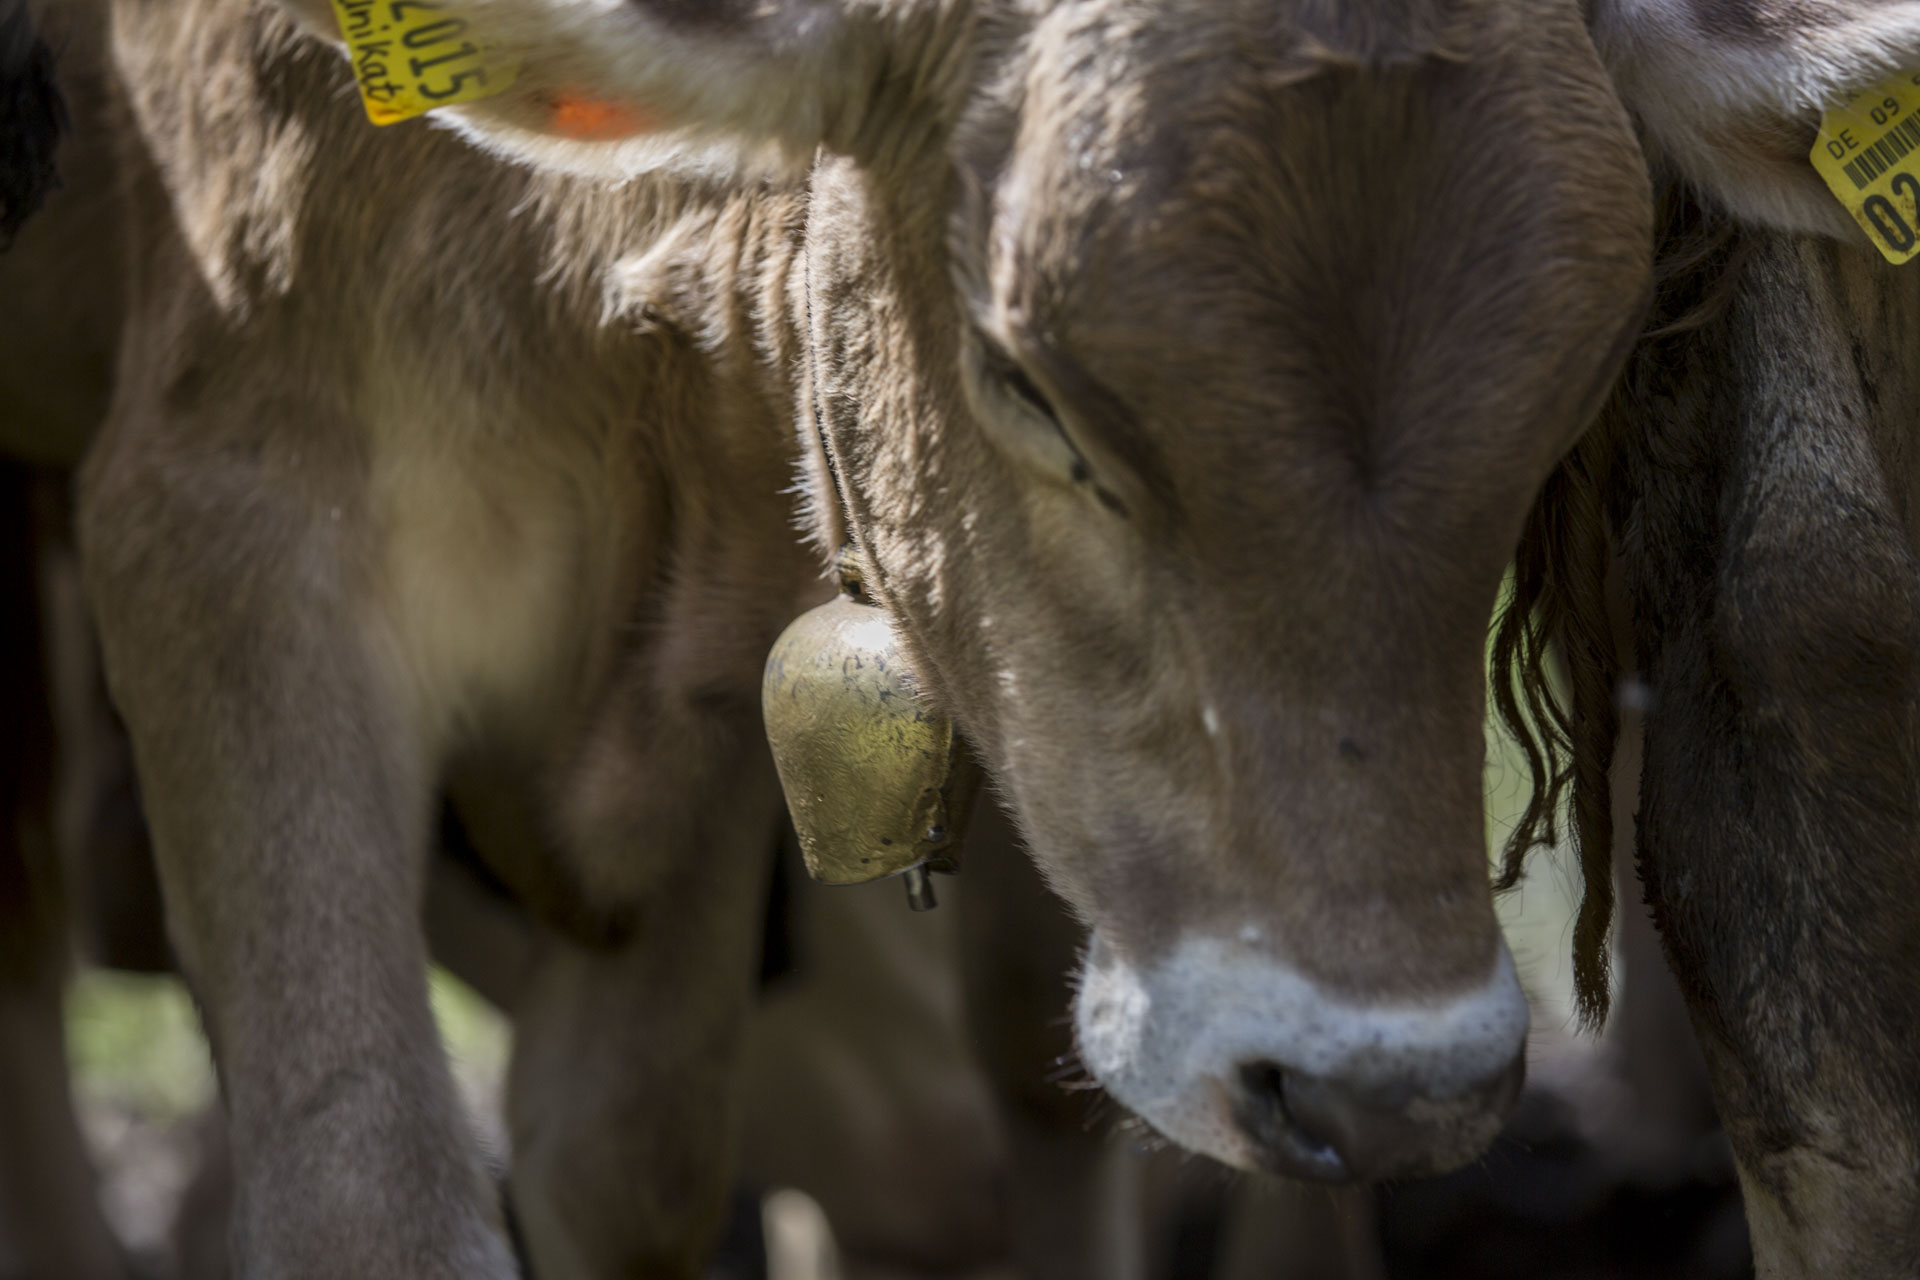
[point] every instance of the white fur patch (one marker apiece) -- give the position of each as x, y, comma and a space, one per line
728, 94
1697, 89
1168, 1041
679, 153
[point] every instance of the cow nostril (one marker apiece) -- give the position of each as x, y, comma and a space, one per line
1291, 1144
1331, 1128
1265, 1080
1360, 1134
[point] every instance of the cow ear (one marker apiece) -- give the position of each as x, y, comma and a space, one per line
1731, 92
613, 85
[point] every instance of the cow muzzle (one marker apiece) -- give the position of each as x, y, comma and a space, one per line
1235, 1055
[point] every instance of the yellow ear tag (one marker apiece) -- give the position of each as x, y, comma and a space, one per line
1869, 153
410, 56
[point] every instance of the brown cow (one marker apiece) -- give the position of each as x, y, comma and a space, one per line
62, 284
43, 328
1758, 476
1189, 371
1139, 467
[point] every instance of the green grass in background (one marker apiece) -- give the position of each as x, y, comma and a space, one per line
136, 1045
135, 1042
478, 1038
1538, 913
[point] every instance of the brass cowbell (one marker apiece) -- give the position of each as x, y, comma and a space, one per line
877, 784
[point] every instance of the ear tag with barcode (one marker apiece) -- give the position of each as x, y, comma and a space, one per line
1869, 153
411, 56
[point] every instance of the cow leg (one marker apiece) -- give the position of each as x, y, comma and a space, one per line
49, 1206
106, 860
1659, 1059
289, 805
1777, 603
1073, 1199
625, 1068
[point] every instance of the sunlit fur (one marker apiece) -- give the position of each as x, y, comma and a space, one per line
1732, 90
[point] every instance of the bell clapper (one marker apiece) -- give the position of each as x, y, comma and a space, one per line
920, 889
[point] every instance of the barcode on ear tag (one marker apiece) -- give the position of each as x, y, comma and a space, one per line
1869, 153
410, 56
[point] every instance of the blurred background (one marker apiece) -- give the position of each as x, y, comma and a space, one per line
1612, 1167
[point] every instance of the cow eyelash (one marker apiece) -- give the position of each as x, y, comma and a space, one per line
1018, 381
1007, 372
1003, 369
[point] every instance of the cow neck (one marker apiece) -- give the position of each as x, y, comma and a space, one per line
918, 881
814, 406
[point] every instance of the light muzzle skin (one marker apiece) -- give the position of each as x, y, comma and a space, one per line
876, 783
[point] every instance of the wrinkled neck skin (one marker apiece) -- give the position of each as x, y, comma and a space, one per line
599, 502
272, 184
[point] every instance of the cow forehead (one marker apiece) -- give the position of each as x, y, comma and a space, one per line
1122, 137
1213, 194
1301, 32
1378, 271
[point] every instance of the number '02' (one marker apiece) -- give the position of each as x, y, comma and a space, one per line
1886, 219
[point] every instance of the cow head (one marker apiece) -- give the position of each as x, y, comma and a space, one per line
1189, 369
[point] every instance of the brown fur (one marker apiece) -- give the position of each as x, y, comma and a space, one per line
1756, 473
49, 1215
1257, 564
1191, 373
462, 567
65, 281
357, 531
1776, 825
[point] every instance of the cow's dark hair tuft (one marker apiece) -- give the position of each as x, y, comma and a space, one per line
1557, 616
1558, 608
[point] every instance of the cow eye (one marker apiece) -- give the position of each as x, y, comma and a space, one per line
1018, 381
1005, 372
1057, 447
